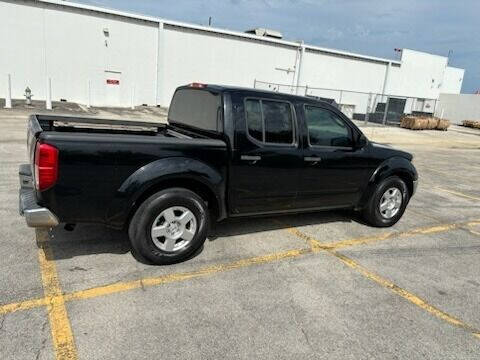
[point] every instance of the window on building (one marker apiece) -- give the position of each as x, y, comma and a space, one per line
270, 121
325, 128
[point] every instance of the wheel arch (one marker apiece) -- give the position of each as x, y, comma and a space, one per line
396, 166
178, 172
194, 185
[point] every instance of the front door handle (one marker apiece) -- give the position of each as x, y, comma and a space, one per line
252, 158
312, 159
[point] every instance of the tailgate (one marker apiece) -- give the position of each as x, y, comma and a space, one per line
33, 131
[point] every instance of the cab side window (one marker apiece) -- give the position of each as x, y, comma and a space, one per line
253, 114
326, 128
278, 122
270, 122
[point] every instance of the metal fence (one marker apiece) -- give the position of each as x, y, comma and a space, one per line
369, 107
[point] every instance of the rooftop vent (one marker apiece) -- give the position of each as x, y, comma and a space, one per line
265, 32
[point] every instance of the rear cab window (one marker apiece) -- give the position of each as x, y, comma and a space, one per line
197, 108
270, 121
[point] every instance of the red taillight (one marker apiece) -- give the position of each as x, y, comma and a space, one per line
46, 166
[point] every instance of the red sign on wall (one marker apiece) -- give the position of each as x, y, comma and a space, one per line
113, 82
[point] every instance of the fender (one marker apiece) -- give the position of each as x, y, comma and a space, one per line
392, 166
154, 173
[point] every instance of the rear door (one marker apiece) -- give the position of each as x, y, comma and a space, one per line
267, 157
333, 171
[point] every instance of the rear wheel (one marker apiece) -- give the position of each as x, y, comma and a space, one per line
387, 203
169, 226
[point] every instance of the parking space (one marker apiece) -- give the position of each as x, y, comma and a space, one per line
308, 307
440, 267
321, 285
26, 335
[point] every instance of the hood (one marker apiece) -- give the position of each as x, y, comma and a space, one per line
391, 150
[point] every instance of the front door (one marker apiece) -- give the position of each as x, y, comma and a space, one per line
333, 171
113, 88
264, 173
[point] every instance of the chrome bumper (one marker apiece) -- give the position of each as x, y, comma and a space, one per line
35, 215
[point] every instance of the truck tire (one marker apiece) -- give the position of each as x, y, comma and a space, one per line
169, 226
387, 203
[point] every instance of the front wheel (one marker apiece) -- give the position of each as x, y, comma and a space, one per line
387, 203
169, 226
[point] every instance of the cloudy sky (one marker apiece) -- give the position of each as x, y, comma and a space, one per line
371, 27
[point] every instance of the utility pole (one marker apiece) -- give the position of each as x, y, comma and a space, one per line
301, 51
384, 89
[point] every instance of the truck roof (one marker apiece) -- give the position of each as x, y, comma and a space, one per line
252, 91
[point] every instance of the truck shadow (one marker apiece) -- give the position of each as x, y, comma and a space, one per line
243, 226
94, 239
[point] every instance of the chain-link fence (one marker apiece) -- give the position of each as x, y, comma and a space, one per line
357, 105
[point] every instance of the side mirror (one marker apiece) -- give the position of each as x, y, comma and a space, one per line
361, 142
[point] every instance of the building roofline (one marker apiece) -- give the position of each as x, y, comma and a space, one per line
158, 20
423, 53
99, 9
455, 68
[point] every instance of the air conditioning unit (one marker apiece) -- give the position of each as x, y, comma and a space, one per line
265, 32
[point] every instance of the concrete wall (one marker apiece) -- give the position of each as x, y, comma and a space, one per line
420, 75
459, 107
340, 72
199, 56
335, 72
452, 81
69, 46
76, 45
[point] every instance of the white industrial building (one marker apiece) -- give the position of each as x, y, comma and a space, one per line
103, 57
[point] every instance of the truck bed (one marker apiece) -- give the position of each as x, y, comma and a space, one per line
95, 125
99, 159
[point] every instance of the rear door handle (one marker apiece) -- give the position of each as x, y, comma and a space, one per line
252, 158
312, 159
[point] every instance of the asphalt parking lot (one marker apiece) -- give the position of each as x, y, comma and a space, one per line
308, 286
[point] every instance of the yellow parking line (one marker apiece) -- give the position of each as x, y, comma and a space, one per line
141, 283
470, 197
317, 245
169, 278
22, 305
51, 276
314, 244
420, 231
414, 299
62, 336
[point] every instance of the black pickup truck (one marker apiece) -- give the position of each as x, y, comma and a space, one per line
225, 152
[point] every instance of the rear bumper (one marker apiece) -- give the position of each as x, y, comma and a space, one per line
35, 215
